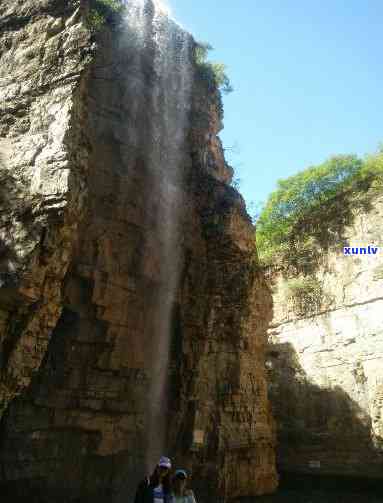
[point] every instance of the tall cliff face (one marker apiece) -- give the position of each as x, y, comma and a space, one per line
88, 270
43, 161
325, 367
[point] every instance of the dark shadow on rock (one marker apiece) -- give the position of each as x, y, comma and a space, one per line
322, 489
25, 224
8, 206
324, 438
45, 454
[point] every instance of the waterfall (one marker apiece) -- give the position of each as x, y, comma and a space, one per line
166, 101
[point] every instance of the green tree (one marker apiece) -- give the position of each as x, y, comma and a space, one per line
309, 209
373, 168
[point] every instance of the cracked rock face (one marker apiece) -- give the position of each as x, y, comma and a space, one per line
325, 370
43, 51
79, 272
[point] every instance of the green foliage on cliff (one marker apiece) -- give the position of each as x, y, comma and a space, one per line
308, 211
212, 72
102, 11
373, 168
304, 294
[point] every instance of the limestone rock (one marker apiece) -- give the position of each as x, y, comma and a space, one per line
326, 369
80, 272
41, 66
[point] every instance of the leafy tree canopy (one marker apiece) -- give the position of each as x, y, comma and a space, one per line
314, 205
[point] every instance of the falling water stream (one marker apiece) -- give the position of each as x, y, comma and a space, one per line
153, 31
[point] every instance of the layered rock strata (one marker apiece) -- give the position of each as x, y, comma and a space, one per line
325, 367
43, 160
81, 271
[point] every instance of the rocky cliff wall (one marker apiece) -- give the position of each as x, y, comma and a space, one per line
325, 366
81, 274
43, 163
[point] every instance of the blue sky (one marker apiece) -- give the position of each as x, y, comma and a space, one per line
308, 81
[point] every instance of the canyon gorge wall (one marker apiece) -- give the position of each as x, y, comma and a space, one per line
88, 185
325, 361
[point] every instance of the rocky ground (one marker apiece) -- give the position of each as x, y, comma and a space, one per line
319, 496
310, 489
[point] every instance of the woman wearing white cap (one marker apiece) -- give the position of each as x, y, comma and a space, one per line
156, 488
180, 493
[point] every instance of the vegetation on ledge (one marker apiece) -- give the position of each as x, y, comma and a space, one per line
212, 72
309, 211
305, 295
102, 11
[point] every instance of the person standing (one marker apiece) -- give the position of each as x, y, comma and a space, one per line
180, 493
157, 487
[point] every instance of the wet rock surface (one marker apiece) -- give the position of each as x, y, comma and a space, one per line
81, 268
318, 496
322, 489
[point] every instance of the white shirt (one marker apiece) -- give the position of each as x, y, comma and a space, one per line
187, 498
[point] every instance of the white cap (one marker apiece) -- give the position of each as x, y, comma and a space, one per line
164, 461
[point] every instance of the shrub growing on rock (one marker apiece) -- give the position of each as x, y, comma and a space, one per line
102, 11
212, 72
305, 295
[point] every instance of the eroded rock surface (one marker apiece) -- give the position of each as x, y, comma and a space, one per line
44, 50
326, 369
81, 271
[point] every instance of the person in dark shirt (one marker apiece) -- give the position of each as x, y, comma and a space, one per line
157, 487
